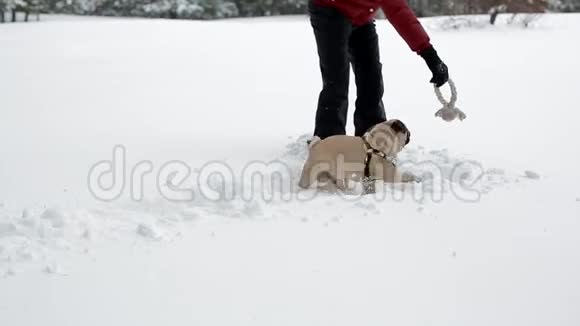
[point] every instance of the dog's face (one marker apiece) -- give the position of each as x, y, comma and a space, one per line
389, 137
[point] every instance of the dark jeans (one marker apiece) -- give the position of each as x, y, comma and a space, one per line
341, 44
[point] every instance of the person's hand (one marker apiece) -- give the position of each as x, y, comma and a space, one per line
437, 67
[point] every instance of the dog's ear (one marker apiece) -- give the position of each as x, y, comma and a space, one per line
398, 126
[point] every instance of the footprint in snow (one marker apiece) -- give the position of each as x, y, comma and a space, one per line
148, 232
367, 206
190, 214
7, 273
53, 269
55, 216
531, 175
7, 229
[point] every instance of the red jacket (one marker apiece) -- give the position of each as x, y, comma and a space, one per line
360, 12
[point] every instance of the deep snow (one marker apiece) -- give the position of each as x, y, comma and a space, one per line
243, 90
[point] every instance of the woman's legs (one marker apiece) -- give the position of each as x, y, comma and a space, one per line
339, 44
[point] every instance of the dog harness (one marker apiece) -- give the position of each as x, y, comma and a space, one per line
370, 151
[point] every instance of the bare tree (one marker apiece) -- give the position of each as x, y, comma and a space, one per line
531, 9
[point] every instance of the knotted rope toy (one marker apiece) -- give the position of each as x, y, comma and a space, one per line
449, 112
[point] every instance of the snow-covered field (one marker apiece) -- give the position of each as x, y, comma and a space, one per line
492, 237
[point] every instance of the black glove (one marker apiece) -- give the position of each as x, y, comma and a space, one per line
437, 67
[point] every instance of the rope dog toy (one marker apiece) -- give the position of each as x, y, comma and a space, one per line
449, 112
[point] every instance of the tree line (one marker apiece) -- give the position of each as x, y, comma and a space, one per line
216, 9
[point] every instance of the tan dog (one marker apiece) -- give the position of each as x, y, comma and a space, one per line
337, 160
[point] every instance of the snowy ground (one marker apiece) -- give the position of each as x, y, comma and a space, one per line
503, 250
